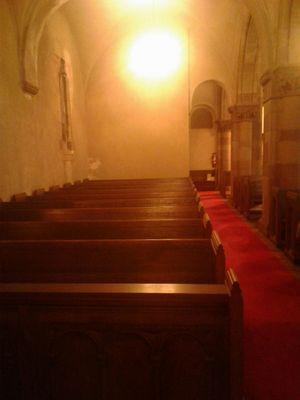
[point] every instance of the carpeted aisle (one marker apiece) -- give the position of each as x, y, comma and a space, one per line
271, 306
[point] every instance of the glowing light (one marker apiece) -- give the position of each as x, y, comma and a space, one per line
140, 3
147, 3
155, 55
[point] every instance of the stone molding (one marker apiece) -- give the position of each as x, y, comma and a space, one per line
242, 113
224, 125
31, 27
281, 82
67, 155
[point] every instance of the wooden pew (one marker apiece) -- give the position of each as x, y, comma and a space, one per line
75, 196
138, 182
103, 229
251, 196
121, 341
42, 202
236, 193
199, 178
277, 224
139, 189
225, 182
208, 225
292, 242
123, 261
247, 195
169, 185
61, 214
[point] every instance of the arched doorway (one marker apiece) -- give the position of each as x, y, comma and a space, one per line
209, 145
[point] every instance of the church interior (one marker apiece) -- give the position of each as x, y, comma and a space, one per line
150, 199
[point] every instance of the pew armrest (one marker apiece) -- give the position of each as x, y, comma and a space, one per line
236, 336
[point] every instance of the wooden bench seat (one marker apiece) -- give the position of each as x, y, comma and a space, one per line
252, 196
121, 185
78, 196
61, 214
200, 180
277, 223
102, 229
140, 261
247, 195
292, 242
128, 190
138, 182
225, 183
121, 341
43, 202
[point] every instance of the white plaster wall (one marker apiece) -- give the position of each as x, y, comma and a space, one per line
30, 155
203, 142
136, 130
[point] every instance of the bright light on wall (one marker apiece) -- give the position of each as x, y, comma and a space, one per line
155, 55
139, 3
146, 3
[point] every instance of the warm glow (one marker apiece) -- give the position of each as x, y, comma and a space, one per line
155, 55
146, 3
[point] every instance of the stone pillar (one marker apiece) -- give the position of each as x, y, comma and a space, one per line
224, 149
68, 157
245, 132
281, 155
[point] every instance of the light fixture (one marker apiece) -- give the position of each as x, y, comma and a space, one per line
155, 55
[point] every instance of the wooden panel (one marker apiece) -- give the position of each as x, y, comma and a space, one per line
292, 243
106, 229
199, 178
163, 261
277, 224
79, 196
63, 214
122, 341
64, 203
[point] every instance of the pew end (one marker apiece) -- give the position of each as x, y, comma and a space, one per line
19, 197
236, 336
220, 257
207, 225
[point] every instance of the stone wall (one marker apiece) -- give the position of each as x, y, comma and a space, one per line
31, 150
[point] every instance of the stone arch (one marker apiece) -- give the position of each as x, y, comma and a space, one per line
248, 87
282, 51
39, 11
33, 23
212, 85
260, 15
202, 117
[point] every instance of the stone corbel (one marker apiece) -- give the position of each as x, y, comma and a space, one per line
242, 113
281, 82
224, 125
35, 18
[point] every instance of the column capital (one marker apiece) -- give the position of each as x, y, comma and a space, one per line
281, 82
223, 125
245, 112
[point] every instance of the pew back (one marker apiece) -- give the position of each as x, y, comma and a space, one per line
105, 229
62, 214
139, 261
120, 341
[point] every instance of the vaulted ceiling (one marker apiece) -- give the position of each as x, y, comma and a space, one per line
216, 29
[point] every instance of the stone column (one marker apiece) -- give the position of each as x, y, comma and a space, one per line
246, 129
281, 159
224, 149
68, 158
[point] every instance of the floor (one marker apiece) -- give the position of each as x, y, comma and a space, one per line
271, 290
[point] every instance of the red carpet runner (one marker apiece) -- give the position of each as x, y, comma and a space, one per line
271, 306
